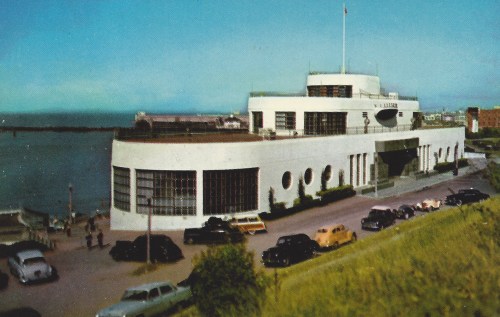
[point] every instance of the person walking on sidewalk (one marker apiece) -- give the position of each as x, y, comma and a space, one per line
100, 237
89, 240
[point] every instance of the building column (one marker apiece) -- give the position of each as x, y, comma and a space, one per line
364, 168
419, 154
428, 156
351, 170
133, 191
358, 169
199, 196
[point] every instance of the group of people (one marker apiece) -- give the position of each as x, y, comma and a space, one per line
89, 237
90, 227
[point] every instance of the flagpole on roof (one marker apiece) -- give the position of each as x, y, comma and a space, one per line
344, 13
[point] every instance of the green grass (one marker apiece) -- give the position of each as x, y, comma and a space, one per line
445, 263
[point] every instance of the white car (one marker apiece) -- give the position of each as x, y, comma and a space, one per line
248, 223
30, 266
148, 300
429, 204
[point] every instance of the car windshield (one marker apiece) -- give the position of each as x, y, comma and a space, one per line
34, 260
135, 295
374, 213
283, 241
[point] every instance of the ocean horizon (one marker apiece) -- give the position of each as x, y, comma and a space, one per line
37, 168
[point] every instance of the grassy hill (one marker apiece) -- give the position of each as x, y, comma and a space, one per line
446, 263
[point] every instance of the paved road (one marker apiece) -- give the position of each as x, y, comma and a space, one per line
91, 280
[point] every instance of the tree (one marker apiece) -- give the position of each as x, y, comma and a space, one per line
227, 283
271, 199
302, 190
341, 178
323, 179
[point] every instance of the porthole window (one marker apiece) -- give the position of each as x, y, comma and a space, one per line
286, 180
308, 176
327, 174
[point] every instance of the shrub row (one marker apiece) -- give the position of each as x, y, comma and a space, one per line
448, 166
336, 193
307, 202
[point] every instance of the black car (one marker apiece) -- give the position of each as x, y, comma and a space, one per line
162, 249
290, 249
465, 196
215, 230
379, 218
404, 212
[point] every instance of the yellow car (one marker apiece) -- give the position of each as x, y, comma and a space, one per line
333, 236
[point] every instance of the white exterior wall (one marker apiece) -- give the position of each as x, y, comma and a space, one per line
354, 108
359, 83
273, 158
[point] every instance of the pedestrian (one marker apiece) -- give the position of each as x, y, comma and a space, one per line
67, 228
89, 240
100, 236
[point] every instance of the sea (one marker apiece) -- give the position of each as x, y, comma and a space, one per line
41, 170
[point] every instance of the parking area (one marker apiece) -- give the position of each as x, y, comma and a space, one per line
91, 280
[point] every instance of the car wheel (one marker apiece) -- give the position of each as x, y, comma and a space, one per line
190, 241
335, 246
286, 262
381, 227
459, 203
251, 232
407, 216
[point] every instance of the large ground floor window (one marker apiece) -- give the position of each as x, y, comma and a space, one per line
230, 191
325, 123
172, 193
121, 188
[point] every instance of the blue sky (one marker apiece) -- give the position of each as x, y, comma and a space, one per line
207, 56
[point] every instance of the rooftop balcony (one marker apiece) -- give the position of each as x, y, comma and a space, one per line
255, 94
141, 136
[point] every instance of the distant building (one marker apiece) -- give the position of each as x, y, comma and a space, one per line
168, 123
482, 118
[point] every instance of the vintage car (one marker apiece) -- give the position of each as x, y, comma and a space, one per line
248, 223
333, 236
404, 212
290, 249
429, 205
153, 299
465, 196
162, 249
30, 266
378, 218
4, 280
215, 230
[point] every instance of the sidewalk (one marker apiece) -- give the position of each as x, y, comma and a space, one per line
409, 184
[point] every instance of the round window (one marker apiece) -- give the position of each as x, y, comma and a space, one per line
286, 180
308, 176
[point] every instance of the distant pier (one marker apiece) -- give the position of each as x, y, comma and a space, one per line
55, 129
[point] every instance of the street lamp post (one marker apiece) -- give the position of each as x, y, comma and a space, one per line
70, 205
148, 234
376, 173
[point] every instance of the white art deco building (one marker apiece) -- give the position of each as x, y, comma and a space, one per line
343, 129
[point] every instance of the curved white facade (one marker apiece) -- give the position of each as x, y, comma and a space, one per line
272, 160
361, 84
